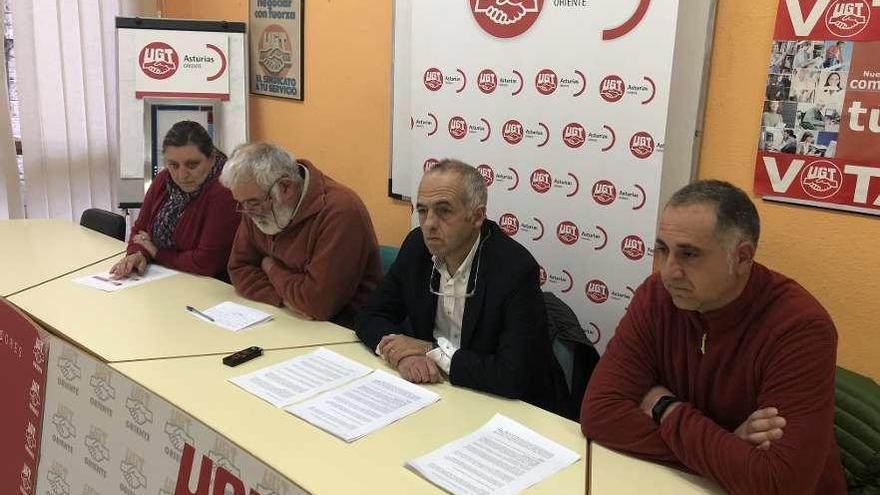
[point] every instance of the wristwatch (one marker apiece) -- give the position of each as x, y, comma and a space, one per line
661, 405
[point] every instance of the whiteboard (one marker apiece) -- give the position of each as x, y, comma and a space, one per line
140, 119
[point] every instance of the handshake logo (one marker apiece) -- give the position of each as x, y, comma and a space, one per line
221, 461
57, 484
69, 369
139, 412
178, 436
103, 390
97, 450
132, 475
65, 427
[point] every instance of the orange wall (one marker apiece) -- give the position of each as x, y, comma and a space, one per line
832, 254
344, 126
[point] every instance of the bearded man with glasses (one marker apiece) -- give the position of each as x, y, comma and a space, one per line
305, 241
463, 300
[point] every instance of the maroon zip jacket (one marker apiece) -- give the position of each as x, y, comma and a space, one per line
774, 346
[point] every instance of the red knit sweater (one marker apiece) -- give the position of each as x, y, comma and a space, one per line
774, 346
203, 237
326, 261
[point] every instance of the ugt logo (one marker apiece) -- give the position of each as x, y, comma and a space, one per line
847, 18
158, 60
506, 18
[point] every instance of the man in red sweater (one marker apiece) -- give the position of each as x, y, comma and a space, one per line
305, 242
720, 365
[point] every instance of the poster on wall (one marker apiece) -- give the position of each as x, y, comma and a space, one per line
819, 142
276, 48
178, 64
564, 115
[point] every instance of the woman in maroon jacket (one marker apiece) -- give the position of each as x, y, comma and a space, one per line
188, 219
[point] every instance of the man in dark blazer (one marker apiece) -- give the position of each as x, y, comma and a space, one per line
462, 299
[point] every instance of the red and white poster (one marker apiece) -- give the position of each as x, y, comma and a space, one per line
563, 108
820, 128
23, 351
181, 64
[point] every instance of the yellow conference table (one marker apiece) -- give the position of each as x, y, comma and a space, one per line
35, 251
615, 473
149, 321
321, 463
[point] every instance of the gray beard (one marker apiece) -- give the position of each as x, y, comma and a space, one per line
267, 223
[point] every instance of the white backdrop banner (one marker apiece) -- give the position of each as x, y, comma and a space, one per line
181, 64
563, 107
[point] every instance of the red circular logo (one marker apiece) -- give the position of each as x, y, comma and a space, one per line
487, 81
487, 173
597, 291
821, 179
847, 18
641, 145
604, 192
567, 232
429, 163
506, 18
433, 79
158, 60
542, 275
546, 82
512, 131
633, 247
611, 89
457, 127
541, 180
275, 51
509, 224
574, 135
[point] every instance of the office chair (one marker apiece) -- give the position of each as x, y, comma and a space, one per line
105, 222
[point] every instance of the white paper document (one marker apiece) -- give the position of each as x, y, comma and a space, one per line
299, 378
502, 457
105, 281
363, 406
232, 316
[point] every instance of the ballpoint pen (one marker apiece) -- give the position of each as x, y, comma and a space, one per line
197, 312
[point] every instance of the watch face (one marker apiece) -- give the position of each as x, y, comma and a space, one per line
660, 407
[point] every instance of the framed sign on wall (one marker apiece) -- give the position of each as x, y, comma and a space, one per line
276, 48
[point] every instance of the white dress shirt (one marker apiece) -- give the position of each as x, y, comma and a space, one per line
450, 308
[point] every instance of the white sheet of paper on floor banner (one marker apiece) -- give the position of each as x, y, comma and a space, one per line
302, 377
105, 282
502, 457
364, 405
233, 316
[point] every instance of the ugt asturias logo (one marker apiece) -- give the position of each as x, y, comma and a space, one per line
612, 88
512, 131
633, 247
487, 81
509, 224
541, 180
158, 60
433, 79
597, 291
487, 173
546, 82
567, 232
641, 144
458, 127
574, 135
604, 192
847, 18
506, 18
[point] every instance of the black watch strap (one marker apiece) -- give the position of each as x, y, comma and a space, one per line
661, 405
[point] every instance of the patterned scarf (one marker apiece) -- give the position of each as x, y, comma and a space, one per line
172, 209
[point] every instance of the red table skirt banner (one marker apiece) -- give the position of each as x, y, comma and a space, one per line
819, 142
23, 350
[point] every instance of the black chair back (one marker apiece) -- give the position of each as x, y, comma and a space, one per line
105, 222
